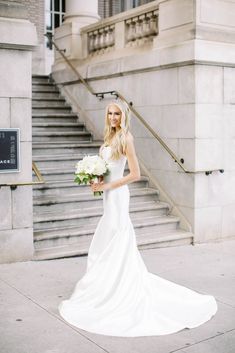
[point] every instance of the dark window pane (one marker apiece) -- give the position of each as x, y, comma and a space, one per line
63, 5
135, 3
48, 42
56, 5
122, 5
56, 20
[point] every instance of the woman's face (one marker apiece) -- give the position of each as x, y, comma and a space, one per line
114, 116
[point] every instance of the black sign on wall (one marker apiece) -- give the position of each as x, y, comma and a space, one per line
9, 150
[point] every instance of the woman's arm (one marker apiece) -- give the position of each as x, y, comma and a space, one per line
130, 177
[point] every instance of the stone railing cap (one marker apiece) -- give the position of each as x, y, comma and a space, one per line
13, 9
151, 6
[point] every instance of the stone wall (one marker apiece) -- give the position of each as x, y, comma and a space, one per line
17, 40
35, 13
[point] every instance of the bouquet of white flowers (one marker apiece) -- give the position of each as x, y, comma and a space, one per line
90, 168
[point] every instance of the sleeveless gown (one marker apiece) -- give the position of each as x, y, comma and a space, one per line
117, 296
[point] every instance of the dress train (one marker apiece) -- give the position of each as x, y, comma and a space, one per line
117, 296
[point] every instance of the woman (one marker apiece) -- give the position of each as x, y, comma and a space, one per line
117, 296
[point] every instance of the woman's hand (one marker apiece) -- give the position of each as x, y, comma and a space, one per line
101, 186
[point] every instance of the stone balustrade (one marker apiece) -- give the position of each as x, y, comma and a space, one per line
141, 29
101, 39
132, 29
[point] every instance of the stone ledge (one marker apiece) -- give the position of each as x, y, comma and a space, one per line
17, 34
13, 9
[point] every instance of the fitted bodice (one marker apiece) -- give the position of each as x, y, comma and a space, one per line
116, 167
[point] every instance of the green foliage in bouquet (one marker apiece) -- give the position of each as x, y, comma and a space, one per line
83, 178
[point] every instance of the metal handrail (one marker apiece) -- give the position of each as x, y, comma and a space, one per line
101, 95
37, 173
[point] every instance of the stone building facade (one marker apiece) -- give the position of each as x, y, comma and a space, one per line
38, 12
16, 209
175, 60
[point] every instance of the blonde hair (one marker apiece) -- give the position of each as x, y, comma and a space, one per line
118, 138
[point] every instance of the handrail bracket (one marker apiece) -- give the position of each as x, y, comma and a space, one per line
40, 179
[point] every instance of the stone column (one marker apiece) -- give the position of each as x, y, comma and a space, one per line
79, 13
17, 40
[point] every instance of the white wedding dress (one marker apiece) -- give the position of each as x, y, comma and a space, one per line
117, 296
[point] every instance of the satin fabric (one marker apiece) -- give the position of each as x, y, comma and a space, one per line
117, 296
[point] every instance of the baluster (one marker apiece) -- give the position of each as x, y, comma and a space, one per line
111, 36
154, 23
131, 30
146, 26
105, 36
90, 42
101, 41
108, 37
139, 32
127, 30
96, 40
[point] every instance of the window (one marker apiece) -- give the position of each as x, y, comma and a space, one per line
109, 8
55, 10
135, 3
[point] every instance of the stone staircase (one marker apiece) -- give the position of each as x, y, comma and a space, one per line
65, 214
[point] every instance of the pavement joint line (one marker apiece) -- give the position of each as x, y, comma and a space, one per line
54, 315
230, 305
206, 339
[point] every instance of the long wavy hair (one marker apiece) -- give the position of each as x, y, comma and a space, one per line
117, 138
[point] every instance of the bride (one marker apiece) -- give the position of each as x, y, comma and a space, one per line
117, 296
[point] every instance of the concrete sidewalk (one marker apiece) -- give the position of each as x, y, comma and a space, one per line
31, 291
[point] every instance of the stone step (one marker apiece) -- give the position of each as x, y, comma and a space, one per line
56, 126
40, 148
81, 199
44, 88
59, 174
141, 226
47, 98
81, 247
176, 238
53, 110
70, 136
43, 83
79, 241
57, 114
55, 118
70, 187
45, 95
91, 215
55, 161
40, 79
59, 103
